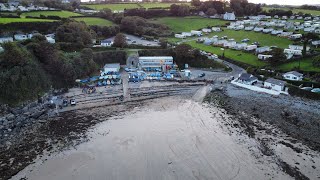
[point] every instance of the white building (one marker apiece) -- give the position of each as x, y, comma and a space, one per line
298, 47
275, 84
264, 57
20, 37
112, 67
248, 79
155, 62
229, 16
196, 33
180, 36
295, 36
315, 43
251, 47
249, 28
216, 29
294, 52
240, 46
293, 75
268, 30
187, 34
206, 30
106, 43
263, 49
6, 39
258, 29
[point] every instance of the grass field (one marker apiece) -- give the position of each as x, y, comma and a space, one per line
94, 21
295, 10
10, 20
231, 54
114, 7
159, 5
181, 24
305, 65
62, 14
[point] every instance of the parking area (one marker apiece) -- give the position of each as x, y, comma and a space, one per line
131, 39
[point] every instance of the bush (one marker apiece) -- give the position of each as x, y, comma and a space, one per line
104, 57
296, 91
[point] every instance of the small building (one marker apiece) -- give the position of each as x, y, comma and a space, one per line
264, 57
196, 33
206, 30
229, 16
251, 47
246, 78
240, 46
293, 75
216, 29
20, 37
50, 39
180, 36
315, 43
295, 36
106, 43
263, 49
6, 39
113, 67
155, 63
298, 47
294, 52
1, 49
258, 29
249, 28
275, 84
186, 34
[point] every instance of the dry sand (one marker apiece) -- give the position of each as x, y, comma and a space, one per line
168, 138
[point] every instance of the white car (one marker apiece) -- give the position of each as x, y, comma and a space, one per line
73, 102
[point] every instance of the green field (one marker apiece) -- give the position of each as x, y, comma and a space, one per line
11, 20
94, 21
181, 24
263, 39
231, 54
295, 10
114, 7
305, 65
62, 14
159, 5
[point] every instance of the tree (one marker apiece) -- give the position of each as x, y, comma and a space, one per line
306, 39
106, 13
179, 10
75, 33
211, 12
120, 40
277, 57
196, 3
128, 24
316, 61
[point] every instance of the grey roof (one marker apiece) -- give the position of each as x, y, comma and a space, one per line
276, 81
294, 73
112, 65
247, 77
106, 41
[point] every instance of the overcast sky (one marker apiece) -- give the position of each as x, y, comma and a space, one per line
287, 2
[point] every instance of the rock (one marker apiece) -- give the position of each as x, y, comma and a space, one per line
16, 111
9, 130
1, 127
11, 117
37, 114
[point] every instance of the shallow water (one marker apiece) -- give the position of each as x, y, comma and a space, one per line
169, 138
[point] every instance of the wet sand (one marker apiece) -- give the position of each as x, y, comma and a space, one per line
168, 138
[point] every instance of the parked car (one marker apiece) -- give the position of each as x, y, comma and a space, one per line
65, 102
202, 75
73, 102
245, 40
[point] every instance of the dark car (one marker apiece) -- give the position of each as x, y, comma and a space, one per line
65, 102
202, 75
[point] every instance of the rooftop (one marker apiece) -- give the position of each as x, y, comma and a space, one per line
276, 81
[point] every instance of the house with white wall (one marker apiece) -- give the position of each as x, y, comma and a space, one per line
6, 39
229, 16
263, 49
264, 56
251, 47
20, 37
275, 84
216, 29
248, 79
293, 75
186, 34
106, 43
